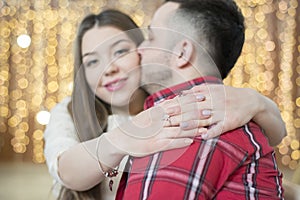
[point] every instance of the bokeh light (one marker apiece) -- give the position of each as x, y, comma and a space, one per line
36, 56
43, 117
24, 41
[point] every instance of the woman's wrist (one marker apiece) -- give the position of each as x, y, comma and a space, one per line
258, 105
261, 107
108, 152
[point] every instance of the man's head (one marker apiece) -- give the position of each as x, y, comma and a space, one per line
184, 33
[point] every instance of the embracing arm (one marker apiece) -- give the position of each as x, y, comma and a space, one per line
225, 108
244, 104
78, 166
70, 162
269, 118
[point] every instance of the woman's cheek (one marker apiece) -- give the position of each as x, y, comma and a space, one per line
130, 61
92, 81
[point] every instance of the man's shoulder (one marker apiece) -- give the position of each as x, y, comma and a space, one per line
246, 130
249, 137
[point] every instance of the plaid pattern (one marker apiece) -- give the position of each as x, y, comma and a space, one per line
239, 164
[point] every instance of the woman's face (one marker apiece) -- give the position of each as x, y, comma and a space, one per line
111, 64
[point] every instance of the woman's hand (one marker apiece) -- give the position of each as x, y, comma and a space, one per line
150, 132
225, 108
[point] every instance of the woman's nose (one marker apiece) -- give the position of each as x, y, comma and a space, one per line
111, 70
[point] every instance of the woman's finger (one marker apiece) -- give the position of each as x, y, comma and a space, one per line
194, 110
193, 132
176, 105
177, 143
195, 97
214, 131
177, 132
199, 115
203, 88
192, 124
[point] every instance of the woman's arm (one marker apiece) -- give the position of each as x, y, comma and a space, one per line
59, 135
227, 108
269, 118
145, 134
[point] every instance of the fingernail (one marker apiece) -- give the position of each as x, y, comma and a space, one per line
180, 94
165, 117
200, 97
183, 124
204, 136
184, 92
170, 110
188, 141
202, 131
206, 112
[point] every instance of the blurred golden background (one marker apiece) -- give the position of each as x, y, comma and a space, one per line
36, 63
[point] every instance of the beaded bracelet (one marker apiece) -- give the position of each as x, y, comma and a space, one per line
108, 174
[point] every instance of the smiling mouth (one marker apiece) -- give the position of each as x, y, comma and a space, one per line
115, 85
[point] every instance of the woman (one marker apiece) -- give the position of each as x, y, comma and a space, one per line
88, 115
107, 93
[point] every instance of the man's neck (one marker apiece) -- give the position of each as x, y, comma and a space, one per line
171, 92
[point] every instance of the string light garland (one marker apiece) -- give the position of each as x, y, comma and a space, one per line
270, 64
34, 78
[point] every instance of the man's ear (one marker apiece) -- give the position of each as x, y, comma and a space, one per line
184, 52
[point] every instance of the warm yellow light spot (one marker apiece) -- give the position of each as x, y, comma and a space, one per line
3, 91
14, 121
3, 127
52, 86
24, 41
4, 111
297, 123
293, 165
23, 83
19, 134
43, 117
270, 46
298, 101
24, 126
38, 135
295, 155
36, 100
295, 144
283, 150
286, 159
19, 148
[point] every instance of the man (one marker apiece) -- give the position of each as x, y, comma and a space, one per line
237, 165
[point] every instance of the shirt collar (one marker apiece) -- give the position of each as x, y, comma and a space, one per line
171, 92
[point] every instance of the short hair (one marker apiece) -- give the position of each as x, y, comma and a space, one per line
221, 24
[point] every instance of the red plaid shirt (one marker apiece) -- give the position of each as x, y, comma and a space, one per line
239, 164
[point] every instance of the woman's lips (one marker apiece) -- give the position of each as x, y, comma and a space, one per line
115, 85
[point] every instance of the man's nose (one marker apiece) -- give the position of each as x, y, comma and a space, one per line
142, 47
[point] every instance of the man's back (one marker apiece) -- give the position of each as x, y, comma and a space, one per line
238, 165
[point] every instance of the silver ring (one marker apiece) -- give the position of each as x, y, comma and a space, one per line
168, 119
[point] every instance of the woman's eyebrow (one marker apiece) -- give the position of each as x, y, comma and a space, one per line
119, 41
111, 46
88, 54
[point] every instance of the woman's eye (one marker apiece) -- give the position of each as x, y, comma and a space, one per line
121, 52
91, 63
